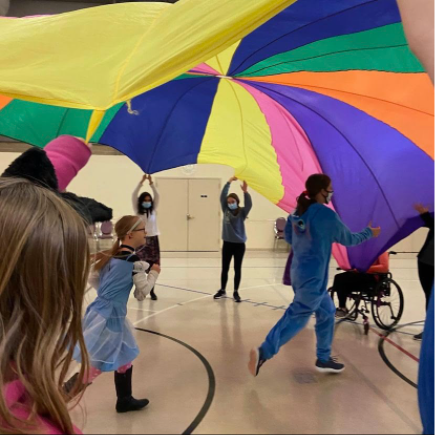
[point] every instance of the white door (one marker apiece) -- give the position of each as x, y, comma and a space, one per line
172, 213
189, 214
204, 215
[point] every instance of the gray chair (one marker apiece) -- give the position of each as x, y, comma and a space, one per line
105, 233
279, 228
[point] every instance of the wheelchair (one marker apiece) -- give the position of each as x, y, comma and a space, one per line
384, 296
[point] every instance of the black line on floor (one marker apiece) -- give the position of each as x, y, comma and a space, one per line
381, 349
391, 366
388, 362
211, 380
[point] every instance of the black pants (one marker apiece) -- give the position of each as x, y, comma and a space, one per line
230, 250
426, 275
348, 282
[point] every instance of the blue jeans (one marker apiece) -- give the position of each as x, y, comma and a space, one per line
296, 318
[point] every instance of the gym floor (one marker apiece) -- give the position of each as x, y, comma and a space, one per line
194, 353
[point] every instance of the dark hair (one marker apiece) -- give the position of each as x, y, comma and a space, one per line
237, 199
314, 185
140, 208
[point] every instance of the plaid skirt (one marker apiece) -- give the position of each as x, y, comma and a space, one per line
151, 251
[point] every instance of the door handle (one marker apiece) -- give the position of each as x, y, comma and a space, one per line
189, 217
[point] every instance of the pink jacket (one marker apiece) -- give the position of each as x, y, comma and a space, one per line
68, 155
18, 402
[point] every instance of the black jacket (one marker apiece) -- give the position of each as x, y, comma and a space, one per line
426, 254
34, 165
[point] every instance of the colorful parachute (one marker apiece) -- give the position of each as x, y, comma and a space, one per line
325, 86
98, 57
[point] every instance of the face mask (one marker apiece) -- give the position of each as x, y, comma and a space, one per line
233, 206
329, 197
146, 204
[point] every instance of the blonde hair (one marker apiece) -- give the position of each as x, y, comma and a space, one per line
43, 274
122, 228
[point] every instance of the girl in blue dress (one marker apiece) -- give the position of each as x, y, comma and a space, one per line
108, 334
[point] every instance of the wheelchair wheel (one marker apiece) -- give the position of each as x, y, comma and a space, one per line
351, 306
387, 304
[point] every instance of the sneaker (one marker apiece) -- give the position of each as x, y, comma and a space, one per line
236, 297
418, 337
341, 313
255, 362
331, 366
153, 296
220, 294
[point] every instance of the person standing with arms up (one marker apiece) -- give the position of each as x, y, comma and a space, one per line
145, 206
311, 231
234, 236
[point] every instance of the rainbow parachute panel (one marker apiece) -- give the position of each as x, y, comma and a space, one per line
324, 86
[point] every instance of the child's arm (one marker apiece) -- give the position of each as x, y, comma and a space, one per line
156, 195
248, 200
342, 234
224, 196
68, 154
94, 278
145, 282
135, 195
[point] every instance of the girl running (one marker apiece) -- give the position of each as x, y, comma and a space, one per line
311, 231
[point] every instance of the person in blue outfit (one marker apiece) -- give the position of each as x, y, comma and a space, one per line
311, 231
108, 335
234, 236
426, 372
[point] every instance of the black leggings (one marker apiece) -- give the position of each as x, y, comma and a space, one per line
426, 275
348, 282
230, 250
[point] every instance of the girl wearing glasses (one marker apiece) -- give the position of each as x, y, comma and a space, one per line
108, 334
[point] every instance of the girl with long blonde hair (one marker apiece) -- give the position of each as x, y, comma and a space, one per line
108, 334
43, 272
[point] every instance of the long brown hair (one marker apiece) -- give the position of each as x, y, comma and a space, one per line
43, 273
122, 228
314, 185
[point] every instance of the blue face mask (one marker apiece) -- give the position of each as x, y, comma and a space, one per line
147, 204
233, 206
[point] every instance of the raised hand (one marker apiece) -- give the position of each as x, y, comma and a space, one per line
144, 178
375, 231
421, 208
233, 179
151, 180
244, 186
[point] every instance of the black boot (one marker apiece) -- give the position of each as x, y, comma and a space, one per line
126, 402
153, 295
